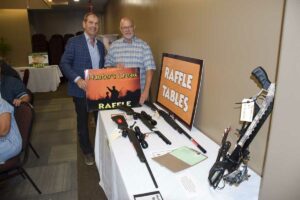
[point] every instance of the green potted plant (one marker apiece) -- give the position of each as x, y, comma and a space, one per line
5, 48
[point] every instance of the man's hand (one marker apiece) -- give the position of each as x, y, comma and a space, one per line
145, 94
144, 97
81, 84
120, 65
17, 102
24, 98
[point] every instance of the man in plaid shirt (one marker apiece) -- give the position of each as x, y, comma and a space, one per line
130, 51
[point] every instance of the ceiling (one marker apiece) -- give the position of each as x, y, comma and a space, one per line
98, 5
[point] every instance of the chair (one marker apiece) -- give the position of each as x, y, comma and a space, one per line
31, 102
24, 115
39, 43
26, 77
67, 37
79, 33
25, 81
56, 49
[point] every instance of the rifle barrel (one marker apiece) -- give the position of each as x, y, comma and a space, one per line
151, 174
174, 125
136, 144
164, 138
193, 141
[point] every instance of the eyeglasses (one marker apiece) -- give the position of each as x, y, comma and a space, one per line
127, 27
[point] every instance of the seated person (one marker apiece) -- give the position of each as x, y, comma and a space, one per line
12, 89
8, 70
10, 138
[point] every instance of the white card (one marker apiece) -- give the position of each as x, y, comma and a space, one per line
189, 184
247, 110
116, 133
148, 196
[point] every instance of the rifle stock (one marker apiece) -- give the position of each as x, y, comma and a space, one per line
147, 120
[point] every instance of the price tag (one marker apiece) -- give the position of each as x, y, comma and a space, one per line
116, 133
247, 110
156, 115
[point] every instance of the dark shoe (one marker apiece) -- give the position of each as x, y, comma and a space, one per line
89, 159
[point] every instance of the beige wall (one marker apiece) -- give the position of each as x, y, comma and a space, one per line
23, 4
232, 37
14, 4
281, 174
15, 30
17, 27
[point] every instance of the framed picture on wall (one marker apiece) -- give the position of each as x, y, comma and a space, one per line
179, 86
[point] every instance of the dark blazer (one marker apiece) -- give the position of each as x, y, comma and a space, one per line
11, 88
7, 70
75, 60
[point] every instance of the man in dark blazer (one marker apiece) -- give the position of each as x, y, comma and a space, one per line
83, 52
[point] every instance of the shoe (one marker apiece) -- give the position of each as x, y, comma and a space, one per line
89, 159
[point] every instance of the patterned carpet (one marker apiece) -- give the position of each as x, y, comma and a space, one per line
60, 172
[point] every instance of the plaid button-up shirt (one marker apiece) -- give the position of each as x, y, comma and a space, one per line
135, 54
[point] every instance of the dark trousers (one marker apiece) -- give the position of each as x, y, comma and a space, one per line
83, 124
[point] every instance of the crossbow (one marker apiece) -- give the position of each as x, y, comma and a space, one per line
235, 164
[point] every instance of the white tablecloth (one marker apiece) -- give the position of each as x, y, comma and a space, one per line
123, 175
44, 79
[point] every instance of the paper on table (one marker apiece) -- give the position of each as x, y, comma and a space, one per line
188, 155
180, 159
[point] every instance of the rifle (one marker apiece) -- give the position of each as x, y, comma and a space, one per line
232, 162
141, 137
146, 119
173, 124
122, 124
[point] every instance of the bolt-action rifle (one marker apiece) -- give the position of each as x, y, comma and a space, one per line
231, 163
146, 119
173, 124
122, 124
